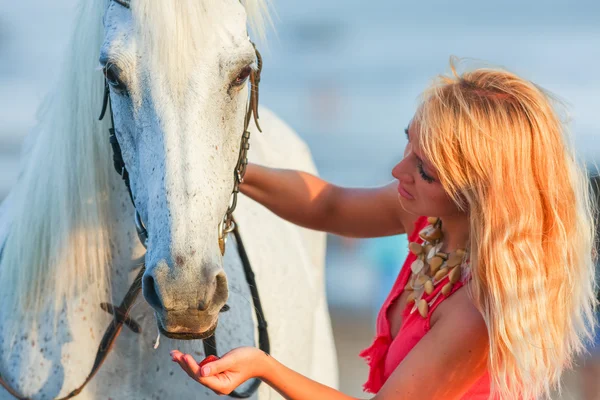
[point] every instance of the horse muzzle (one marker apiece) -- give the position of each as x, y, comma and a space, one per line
185, 326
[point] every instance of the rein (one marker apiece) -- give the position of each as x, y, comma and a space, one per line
120, 313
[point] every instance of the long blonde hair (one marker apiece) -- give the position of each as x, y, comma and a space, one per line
502, 153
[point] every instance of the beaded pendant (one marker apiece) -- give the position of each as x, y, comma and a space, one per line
432, 266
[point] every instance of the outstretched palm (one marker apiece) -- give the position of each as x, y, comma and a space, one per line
225, 374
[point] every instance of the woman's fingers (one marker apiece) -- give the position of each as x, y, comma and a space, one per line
176, 354
220, 375
191, 366
216, 367
187, 363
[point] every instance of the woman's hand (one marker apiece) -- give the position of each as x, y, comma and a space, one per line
224, 375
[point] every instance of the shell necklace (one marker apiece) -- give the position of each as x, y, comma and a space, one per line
432, 266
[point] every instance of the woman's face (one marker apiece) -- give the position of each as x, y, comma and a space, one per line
419, 189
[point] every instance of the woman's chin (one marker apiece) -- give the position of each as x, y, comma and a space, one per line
410, 206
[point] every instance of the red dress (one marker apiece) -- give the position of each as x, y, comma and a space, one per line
385, 354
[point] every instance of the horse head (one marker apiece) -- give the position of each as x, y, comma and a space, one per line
178, 75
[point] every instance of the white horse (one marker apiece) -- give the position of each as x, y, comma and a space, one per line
177, 71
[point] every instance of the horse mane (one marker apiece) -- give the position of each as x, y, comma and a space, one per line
59, 240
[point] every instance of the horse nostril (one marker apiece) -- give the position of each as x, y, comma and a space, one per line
150, 294
203, 305
221, 289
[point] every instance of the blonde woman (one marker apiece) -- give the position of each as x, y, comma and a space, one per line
497, 295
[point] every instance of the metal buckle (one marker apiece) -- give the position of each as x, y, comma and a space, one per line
226, 226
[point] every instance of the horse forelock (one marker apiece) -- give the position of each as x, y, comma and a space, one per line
171, 35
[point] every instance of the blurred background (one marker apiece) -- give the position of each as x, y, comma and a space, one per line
346, 74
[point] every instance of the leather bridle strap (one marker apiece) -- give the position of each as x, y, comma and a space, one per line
210, 344
118, 162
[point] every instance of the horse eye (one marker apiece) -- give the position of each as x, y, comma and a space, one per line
242, 76
112, 74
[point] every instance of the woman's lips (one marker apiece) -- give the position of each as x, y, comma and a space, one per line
404, 193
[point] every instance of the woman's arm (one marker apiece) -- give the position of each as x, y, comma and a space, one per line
292, 385
449, 359
239, 365
313, 203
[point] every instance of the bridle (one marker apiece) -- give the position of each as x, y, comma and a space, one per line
120, 313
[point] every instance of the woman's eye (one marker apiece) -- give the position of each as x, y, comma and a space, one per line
112, 74
425, 177
242, 76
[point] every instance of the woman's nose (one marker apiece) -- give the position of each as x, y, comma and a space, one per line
401, 171
396, 171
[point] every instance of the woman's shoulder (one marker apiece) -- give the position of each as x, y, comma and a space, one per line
460, 308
